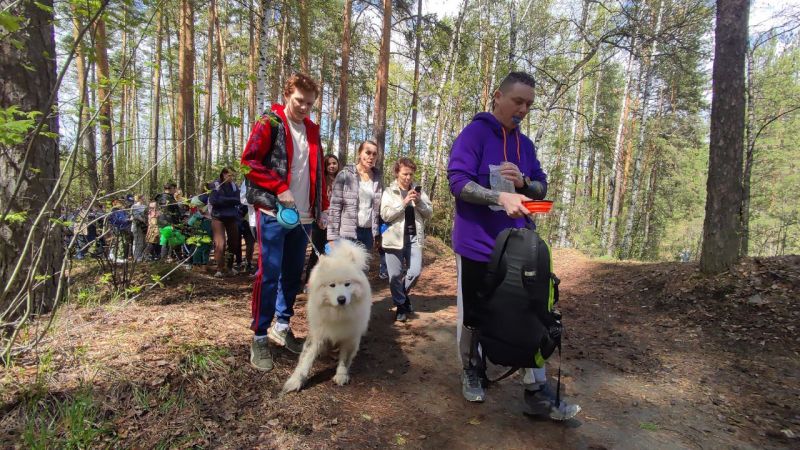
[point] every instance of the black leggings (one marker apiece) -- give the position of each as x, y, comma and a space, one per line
473, 274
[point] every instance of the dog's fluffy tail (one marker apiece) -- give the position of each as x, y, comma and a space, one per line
345, 249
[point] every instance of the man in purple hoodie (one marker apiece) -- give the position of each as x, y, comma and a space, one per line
482, 212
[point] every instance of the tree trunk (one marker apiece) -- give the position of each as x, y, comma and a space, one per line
186, 136
722, 225
222, 101
617, 171
321, 99
252, 64
748, 160
155, 106
89, 144
382, 85
262, 102
430, 155
302, 6
627, 239
278, 78
412, 150
104, 98
344, 125
29, 90
208, 120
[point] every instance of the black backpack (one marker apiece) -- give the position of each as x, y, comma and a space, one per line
519, 325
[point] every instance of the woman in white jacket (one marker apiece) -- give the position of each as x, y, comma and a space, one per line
404, 208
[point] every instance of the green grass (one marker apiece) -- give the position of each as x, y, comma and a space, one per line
202, 359
648, 426
73, 422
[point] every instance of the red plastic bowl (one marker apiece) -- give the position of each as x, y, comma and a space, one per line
539, 206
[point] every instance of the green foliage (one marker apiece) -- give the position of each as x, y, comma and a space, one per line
202, 359
16, 217
15, 124
72, 422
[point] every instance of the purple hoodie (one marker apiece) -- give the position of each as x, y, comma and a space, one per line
480, 144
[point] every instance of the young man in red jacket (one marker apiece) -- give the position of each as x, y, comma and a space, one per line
284, 154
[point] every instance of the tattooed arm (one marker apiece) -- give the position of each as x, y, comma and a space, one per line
479, 195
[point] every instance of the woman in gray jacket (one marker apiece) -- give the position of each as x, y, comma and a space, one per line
356, 198
404, 208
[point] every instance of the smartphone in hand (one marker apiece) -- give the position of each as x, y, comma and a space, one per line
418, 188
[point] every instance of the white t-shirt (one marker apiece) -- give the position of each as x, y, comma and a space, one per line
300, 184
365, 194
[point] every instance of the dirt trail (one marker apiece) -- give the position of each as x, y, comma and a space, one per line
645, 377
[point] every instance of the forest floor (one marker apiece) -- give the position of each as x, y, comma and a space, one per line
657, 355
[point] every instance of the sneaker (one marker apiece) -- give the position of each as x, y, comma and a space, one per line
260, 355
383, 276
471, 385
285, 339
542, 403
234, 272
400, 315
409, 306
218, 274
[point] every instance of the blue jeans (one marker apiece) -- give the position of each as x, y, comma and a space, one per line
364, 235
282, 255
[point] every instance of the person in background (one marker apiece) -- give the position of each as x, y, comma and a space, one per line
201, 229
138, 227
404, 208
153, 237
225, 221
319, 230
356, 199
247, 227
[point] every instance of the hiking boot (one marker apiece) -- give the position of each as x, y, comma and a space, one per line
260, 355
542, 403
285, 338
471, 385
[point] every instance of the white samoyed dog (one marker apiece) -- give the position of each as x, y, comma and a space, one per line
338, 310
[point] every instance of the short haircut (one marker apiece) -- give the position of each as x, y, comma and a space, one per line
368, 141
516, 77
301, 81
408, 162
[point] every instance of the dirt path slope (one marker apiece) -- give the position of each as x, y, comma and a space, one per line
648, 360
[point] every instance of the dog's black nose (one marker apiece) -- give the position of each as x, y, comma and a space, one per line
341, 299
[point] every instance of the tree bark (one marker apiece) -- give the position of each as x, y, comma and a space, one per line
222, 101
155, 106
29, 90
437, 108
186, 130
382, 84
262, 102
617, 171
412, 150
89, 144
633, 210
722, 225
208, 120
344, 125
302, 6
104, 97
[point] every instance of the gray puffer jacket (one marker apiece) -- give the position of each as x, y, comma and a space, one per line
343, 211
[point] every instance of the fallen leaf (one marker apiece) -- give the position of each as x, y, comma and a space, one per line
474, 421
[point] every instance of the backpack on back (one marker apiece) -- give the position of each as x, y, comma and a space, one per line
519, 325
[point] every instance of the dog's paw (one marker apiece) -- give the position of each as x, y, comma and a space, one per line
341, 379
293, 384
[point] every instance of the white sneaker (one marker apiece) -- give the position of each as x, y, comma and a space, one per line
218, 274
234, 272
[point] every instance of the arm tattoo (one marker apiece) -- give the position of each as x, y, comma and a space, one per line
479, 195
535, 190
